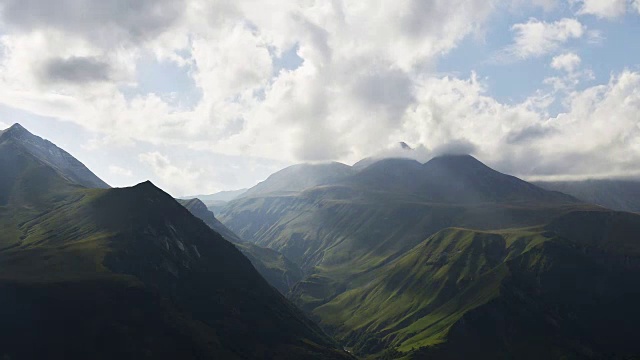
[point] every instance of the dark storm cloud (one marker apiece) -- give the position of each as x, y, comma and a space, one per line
102, 21
78, 70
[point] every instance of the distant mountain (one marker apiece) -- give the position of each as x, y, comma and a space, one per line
390, 175
130, 273
279, 271
401, 150
387, 208
622, 195
219, 198
200, 210
450, 179
46, 152
299, 177
495, 271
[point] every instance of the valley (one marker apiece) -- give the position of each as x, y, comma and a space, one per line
400, 256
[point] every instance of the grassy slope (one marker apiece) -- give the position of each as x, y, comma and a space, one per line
541, 292
531, 293
350, 246
413, 301
335, 239
130, 272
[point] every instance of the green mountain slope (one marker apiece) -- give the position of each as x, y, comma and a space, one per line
530, 293
507, 270
279, 271
352, 216
129, 273
367, 219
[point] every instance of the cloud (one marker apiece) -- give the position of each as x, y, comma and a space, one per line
364, 78
528, 134
568, 62
189, 172
119, 171
635, 4
608, 9
106, 22
573, 74
76, 70
357, 62
177, 180
536, 38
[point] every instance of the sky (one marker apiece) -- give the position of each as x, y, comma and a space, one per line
200, 96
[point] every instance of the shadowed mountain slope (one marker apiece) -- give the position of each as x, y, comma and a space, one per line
279, 271
131, 274
450, 179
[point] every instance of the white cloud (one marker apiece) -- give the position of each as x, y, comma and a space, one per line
366, 81
568, 62
635, 4
120, 171
110, 23
359, 63
597, 134
175, 179
608, 9
536, 38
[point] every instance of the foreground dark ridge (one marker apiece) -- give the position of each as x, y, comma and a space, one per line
279, 271
129, 273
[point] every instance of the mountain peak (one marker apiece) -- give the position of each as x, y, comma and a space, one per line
17, 127
404, 146
49, 154
455, 160
300, 177
15, 130
145, 185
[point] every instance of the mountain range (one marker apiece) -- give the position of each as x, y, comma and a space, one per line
450, 260
388, 259
94, 272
